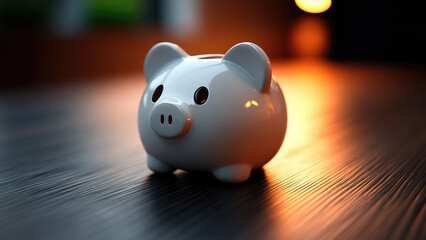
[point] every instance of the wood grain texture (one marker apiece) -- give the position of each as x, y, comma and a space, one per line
353, 164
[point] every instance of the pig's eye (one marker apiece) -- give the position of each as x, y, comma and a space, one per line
201, 95
157, 93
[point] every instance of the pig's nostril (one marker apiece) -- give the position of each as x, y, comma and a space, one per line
170, 119
162, 118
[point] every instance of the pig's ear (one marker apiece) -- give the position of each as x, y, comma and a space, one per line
254, 61
159, 56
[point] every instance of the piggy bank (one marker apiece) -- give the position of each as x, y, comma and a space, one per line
221, 114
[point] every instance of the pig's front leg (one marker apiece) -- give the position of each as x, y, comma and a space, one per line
157, 166
233, 173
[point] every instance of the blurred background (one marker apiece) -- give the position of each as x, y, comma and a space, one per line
352, 165
50, 42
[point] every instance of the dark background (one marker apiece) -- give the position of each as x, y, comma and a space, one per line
47, 43
389, 31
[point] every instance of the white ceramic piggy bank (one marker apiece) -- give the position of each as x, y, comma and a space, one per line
223, 114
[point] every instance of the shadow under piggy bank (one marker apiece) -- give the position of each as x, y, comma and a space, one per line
197, 206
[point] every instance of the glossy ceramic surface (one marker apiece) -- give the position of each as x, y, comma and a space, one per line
235, 124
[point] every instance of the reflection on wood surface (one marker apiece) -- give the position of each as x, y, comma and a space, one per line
352, 165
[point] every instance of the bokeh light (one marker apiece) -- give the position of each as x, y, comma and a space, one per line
313, 6
310, 37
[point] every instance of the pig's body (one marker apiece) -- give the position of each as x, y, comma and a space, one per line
239, 127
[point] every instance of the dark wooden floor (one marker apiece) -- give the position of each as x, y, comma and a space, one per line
353, 164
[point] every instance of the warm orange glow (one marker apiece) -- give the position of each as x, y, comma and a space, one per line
310, 37
313, 6
306, 163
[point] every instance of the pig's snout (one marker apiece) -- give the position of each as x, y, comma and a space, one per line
170, 120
